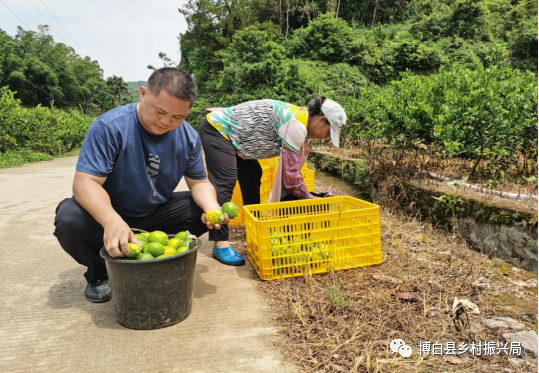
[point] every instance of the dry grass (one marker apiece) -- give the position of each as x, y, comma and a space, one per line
489, 174
344, 321
387, 169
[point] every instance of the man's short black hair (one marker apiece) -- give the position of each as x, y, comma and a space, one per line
175, 82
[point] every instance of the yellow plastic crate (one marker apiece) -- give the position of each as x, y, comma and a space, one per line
238, 201
289, 239
273, 162
269, 167
266, 183
308, 178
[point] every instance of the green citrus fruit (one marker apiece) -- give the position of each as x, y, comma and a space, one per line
134, 250
182, 236
169, 251
155, 249
142, 244
140, 256
215, 216
182, 249
146, 256
141, 237
162, 256
230, 209
175, 243
158, 236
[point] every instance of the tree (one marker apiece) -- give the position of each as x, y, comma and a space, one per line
42, 71
117, 88
326, 38
167, 61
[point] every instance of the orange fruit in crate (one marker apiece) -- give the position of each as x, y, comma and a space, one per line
230, 209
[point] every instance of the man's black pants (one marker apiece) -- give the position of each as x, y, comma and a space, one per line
224, 168
81, 236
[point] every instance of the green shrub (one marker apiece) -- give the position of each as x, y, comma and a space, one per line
470, 112
326, 39
39, 130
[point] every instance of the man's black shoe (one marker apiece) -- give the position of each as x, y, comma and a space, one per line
98, 291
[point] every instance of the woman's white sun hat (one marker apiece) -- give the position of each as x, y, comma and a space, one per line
336, 118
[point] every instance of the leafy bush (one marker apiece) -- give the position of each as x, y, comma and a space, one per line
320, 78
466, 19
487, 111
521, 30
40, 130
417, 56
471, 112
373, 55
253, 60
326, 39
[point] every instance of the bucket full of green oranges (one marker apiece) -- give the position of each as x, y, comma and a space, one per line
152, 286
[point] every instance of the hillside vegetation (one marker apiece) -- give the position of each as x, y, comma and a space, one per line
458, 76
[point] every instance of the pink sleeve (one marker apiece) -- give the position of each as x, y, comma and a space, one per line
292, 179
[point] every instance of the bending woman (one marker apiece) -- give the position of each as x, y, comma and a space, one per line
235, 138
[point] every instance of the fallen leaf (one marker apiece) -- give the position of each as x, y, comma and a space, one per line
453, 360
411, 296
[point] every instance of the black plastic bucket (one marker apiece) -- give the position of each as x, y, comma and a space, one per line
152, 294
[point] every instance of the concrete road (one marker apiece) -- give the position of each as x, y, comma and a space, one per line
48, 326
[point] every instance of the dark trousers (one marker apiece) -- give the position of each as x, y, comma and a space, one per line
81, 236
289, 197
224, 168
